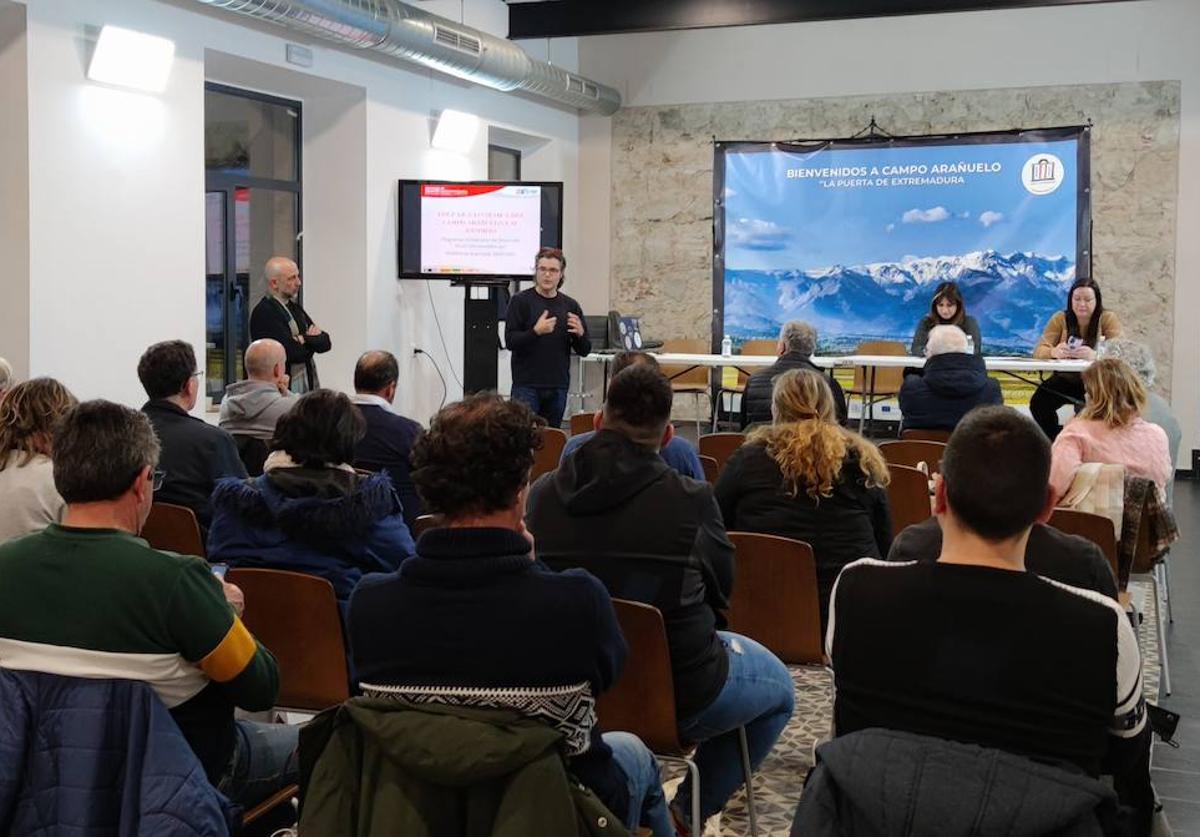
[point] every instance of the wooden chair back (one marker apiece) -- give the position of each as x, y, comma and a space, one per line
694, 380
942, 436
711, 469
908, 497
296, 616
424, 523
887, 378
174, 529
582, 423
911, 451
546, 458
642, 701
759, 348
720, 446
775, 601
1093, 527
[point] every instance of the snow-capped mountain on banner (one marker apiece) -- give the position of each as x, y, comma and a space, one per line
1012, 296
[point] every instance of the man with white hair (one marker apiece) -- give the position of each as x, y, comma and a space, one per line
797, 344
954, 382
1158, 411
278, 316
253, 406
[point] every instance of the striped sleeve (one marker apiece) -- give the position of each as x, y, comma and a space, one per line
208, 634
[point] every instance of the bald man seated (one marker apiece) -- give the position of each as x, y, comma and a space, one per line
278, 316
253, 406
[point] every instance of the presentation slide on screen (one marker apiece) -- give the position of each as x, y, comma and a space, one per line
480, 229
854, 239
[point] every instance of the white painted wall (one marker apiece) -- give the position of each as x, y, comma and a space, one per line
14, 190
116, 210
1089, 44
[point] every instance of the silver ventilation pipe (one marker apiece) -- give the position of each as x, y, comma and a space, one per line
398, 30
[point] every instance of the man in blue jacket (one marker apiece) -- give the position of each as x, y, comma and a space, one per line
955, 381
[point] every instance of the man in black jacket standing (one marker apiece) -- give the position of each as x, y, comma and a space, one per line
616, 509
797, 343
278, 315
194, 453
541, 329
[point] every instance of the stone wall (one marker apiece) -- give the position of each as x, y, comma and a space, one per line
662, 188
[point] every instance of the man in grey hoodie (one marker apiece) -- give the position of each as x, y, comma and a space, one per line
251, 407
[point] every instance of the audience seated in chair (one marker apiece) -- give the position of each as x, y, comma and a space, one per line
953, 382
310, 512
806, 478
616, 509
1110, 430
679, 453
387, 444
797, 344
474, 609
29, 413
252, 407
88, 598
194, 453
1157, 411
975, 649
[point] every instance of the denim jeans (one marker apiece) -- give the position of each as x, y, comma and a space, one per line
759, 695
264, 761
647, 806
547, 402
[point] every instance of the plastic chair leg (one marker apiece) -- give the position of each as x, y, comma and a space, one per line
748, 773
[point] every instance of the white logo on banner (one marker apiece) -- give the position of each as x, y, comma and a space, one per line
1042, 174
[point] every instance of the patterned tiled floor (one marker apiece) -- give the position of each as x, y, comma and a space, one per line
778, 783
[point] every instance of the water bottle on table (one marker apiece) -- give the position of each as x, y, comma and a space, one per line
726, 346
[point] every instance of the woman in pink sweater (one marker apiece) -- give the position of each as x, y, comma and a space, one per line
1110, 429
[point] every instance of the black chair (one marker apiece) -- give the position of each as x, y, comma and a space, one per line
253, 452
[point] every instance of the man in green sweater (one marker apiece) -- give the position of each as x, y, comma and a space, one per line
89, 598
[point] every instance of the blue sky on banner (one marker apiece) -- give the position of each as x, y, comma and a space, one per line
885, 204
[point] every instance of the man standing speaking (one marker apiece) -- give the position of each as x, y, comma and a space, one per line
278, 316
542, 327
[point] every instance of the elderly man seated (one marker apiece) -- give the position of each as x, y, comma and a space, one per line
955, 381
797, 343
253, 406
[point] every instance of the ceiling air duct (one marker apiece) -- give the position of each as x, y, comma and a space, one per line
398, 30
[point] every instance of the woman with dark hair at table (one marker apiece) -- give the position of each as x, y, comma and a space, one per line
1072, 334
946, 308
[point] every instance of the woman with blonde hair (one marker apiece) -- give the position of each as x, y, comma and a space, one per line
805, 477
1110, 429
29, 414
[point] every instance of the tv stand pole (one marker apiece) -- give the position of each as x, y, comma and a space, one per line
481, 343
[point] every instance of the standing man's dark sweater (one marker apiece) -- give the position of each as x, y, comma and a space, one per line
543, 326
472, 608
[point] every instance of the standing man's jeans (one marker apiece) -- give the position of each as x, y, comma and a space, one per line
264, 761
647, 805
759, 695
547, 402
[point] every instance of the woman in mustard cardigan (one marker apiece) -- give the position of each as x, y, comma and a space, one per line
1073, 334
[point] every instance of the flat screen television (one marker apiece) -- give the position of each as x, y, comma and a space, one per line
479, 230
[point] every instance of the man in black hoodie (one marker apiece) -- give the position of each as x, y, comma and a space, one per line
651, 535
954, 383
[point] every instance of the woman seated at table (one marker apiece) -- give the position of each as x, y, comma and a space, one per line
807, 478
310, 511
947, 308
1110, 429
1072, 334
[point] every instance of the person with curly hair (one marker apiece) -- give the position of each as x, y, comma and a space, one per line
804, 477
475, 609
310, 511
29, 413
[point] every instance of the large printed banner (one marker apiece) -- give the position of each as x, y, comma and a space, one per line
854, 236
